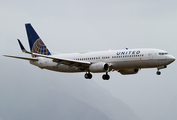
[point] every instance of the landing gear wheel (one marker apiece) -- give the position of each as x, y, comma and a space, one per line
106, 77
158, 72
88, 76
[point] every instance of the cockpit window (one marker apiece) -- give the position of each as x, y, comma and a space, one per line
163, 53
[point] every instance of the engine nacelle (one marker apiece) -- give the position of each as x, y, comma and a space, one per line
129, 71
99, 67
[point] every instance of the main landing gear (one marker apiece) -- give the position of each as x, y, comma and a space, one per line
88, 75
106, 76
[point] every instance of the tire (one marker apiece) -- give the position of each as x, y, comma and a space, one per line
158, 73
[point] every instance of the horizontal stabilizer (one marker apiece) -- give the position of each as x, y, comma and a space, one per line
24, 58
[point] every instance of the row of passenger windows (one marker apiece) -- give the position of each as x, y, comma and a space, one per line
93, 58
128, 56
96, 58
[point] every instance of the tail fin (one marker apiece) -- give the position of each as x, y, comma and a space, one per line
35, 42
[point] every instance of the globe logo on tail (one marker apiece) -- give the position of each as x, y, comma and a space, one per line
40, 48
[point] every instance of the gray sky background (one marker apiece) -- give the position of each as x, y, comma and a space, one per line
74, 26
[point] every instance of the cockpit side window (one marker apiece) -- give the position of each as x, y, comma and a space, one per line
163, 53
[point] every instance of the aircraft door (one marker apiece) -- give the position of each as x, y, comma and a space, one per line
151, 55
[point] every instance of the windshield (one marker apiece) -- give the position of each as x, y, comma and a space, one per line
163, 53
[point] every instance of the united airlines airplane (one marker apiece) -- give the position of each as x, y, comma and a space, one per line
127, 61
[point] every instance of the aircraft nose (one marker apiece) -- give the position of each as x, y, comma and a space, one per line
171, 58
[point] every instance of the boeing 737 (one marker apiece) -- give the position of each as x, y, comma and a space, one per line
126, 61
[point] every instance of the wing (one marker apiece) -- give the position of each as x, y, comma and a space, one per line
24, 58
82, 65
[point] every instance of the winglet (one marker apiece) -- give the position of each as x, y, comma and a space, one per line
22, 47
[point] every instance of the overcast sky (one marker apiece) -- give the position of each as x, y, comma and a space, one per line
68, 26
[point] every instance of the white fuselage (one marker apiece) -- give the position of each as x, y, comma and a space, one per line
116, 59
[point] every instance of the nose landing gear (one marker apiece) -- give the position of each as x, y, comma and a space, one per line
161, 67
158, 72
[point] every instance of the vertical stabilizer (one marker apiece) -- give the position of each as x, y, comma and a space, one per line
35, 42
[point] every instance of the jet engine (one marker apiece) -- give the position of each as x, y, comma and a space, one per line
129, 71
99, 67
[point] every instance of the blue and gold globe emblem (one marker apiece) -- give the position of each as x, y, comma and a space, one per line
40, 48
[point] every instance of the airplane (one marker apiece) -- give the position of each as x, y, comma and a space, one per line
125, 61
